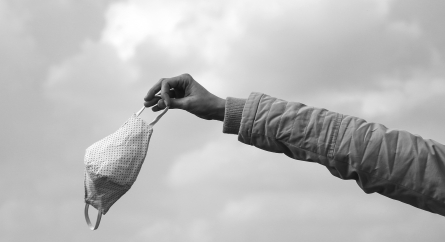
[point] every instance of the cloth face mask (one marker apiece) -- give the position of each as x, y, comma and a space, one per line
113, 163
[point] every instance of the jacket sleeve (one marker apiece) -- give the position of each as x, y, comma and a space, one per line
394, 163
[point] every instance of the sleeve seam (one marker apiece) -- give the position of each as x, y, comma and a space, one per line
254, 117
334, 136
281, 119
319, 136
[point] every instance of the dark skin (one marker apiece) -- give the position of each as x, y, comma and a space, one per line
183, 92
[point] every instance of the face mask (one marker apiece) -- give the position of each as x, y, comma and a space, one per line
113, 164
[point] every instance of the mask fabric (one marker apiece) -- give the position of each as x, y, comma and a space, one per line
113, 163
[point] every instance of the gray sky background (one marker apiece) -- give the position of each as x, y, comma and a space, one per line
71, 72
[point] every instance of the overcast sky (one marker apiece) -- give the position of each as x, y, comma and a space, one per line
72, 71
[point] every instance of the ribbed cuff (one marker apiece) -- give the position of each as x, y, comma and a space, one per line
233, 114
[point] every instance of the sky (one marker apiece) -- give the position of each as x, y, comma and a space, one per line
72, 71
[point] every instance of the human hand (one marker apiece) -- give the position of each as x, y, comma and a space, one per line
183, 92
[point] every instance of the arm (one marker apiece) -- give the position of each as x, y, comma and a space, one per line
394, 163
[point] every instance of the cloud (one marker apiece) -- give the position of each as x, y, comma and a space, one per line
177, 27
425, 15
18, 50
394, 96
242, 167
95, 77
60, 27
326, 46
338, 50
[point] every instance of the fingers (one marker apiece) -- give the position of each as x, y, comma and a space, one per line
156, 99
152, 102
160, 106
165, 91
177, 82
180, 82
169, 88
153, 90
174, 103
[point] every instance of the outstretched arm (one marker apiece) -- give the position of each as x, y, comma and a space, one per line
394, 163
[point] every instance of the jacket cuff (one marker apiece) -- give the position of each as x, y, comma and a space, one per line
248, 117
233, 114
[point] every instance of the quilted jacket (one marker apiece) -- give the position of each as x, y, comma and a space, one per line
394, 163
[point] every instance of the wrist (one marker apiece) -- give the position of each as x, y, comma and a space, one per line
220, 109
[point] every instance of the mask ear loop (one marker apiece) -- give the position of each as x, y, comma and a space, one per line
87, 218
143, 108
140, 111
158, 117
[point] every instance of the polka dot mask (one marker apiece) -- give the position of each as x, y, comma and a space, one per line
113, 163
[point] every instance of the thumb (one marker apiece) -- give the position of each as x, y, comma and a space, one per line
180, 103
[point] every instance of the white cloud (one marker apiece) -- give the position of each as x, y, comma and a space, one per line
96, 76
400, 94
206, 29
17, 48
176, 26
394, 95
225, 162
239, 43
130, 23
244, 210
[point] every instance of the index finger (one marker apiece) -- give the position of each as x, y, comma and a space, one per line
153, 90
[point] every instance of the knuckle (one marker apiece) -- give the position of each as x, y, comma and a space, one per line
186, 75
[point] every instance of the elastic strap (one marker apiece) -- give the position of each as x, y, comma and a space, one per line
87, 218
158, 117
140, 111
